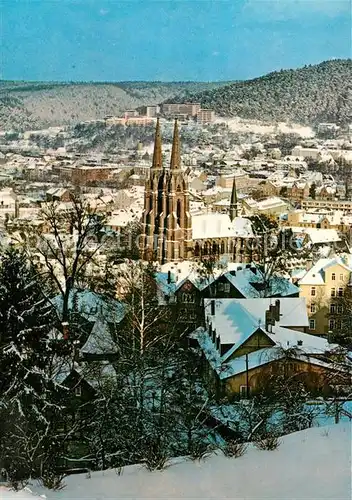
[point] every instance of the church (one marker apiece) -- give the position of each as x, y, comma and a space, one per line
170, 232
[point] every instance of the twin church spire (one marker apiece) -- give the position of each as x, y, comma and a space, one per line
157, 155
167, 233
175, 162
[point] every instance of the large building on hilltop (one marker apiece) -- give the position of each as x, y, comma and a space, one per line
170, 233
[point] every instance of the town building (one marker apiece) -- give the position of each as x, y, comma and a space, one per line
272, 207
152, 111
205, 116
188, 109
243, 342
340, 205
323, 286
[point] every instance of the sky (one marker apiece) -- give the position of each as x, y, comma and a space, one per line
168, 40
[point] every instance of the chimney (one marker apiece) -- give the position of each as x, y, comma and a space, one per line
272, 310
65, 330
168, 277
218, 342
212, 307
277, 310
268, 321
17, 209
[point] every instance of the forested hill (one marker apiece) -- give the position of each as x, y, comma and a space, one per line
308, 95
312, 94
35, 105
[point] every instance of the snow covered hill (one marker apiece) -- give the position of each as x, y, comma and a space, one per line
311, 464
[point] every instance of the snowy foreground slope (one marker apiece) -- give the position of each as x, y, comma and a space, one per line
311, 464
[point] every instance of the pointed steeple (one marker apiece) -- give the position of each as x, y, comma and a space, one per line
157, 155
233, 203
175, 153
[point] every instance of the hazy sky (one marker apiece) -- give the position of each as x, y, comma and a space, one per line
168, 39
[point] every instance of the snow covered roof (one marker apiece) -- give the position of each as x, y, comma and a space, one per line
121, 218
305, 347
235, 320
242, 277
55, 191
322, 235
92, 306
99, 340
218, 225
315, 275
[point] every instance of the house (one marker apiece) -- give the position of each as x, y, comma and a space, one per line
98, 318
186, 287
324, 240
236, 280
273, 206
243, 341
58, 194
322, 285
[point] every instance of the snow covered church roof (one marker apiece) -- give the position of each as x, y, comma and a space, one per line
218, 225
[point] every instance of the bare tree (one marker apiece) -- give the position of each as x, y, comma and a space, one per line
73, 239
271, 250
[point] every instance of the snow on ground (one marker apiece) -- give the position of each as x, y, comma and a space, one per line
312, 464
237, 124
24, 494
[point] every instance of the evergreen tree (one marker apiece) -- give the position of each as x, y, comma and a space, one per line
27, 395
312, 191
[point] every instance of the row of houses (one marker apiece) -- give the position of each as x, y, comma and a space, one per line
242, 327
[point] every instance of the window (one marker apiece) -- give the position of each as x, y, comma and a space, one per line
341, 277
338, 324
333, 292
333, 276
312, 291
312, 324
339, 308
78, 390
192, 317
243, 391
227, 287
331, 324
312, 308
221, 287
188, 298
340, 292
332, 308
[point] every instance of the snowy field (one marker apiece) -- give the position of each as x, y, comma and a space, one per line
256, 127
313, 464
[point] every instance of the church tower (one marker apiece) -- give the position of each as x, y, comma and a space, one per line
233, 203
167, 232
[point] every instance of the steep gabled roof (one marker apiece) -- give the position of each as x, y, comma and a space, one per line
92, 306
316, 276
